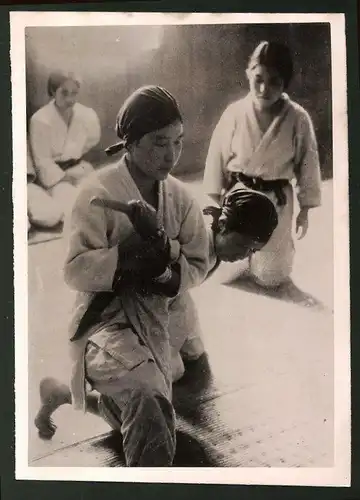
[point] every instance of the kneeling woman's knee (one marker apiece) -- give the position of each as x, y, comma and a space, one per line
145, 403
177, 367
192, 349
272, 279
43, 211
147, 420
145, 393
270, 271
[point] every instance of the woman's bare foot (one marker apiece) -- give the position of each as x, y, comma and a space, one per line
53, 394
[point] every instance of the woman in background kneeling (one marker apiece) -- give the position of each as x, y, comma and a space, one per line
61, 133
266, 141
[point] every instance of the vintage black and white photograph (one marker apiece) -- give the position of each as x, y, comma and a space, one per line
181, 247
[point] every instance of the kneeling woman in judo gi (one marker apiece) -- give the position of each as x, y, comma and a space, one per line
265, 141
61, 133
132, 263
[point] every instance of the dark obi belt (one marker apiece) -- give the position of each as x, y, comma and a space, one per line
258, 184
68, 163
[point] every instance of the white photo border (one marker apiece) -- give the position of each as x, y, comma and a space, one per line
339, 474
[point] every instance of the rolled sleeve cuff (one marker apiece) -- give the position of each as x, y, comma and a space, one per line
309, 201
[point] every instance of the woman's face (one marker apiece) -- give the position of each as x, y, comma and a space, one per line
157, 153
231, 246
66, 95
266, 86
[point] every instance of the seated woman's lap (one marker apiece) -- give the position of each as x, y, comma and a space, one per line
83, 169
63, 195
43, 210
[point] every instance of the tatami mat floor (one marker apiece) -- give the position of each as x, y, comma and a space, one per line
262, 396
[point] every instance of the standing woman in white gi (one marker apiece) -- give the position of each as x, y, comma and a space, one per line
264, 141
60, 134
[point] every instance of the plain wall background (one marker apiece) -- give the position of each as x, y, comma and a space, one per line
202, 65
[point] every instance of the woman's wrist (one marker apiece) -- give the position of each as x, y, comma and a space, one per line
305, 210
160, 240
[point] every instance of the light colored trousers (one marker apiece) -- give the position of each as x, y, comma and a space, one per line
273, 264
47, 207
134, 396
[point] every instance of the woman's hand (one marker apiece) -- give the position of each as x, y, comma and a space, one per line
215, 213
142, 215
302, 223
144, 219
146, 260
151, 254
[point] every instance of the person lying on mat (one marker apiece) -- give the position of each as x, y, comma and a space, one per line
242, 225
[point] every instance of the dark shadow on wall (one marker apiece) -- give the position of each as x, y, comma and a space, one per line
202, 65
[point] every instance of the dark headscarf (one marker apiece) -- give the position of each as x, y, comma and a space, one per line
246, 212
148, 109
276, 56
57, 78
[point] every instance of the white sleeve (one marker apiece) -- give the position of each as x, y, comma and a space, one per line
90, 263
219, 153
93, 131
307, 168
194, 248
48, 172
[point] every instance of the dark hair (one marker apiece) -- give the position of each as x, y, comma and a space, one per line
276, 56
57, 78
246, 212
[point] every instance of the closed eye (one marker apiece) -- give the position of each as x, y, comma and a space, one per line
165, 144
